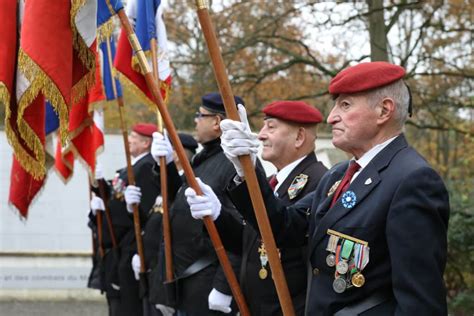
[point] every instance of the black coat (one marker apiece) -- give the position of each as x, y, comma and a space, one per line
244, 240
118, 264
190, 242
401, 210
261, 294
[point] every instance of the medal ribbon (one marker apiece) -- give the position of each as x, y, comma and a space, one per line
347, 247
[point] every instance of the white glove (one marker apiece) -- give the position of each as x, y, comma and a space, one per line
136, 265
219, 301
132, 195
159, 200
98, 173
165, 310
237, 140
97, 204
161, 147
203, 205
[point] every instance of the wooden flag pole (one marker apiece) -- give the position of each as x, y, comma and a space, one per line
211, 228
249, 169
130, 175
163, 179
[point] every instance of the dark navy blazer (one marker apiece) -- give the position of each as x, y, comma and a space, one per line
401, 210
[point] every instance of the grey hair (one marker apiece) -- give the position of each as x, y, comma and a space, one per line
398, 92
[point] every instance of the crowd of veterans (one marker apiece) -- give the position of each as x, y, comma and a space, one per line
366, 237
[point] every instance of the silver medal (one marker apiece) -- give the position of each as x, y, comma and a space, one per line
339, 285
342, 267
331, 260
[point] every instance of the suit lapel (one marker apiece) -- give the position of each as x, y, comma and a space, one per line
365, 182
338, 211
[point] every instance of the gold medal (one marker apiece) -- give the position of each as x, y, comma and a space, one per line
263, 273
358, 280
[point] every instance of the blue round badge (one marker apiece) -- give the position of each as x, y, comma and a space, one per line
349, 199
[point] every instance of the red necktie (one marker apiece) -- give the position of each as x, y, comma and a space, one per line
346, 181
273, 182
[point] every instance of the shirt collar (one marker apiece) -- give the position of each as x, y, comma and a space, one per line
285, 172
368, 156
135, 159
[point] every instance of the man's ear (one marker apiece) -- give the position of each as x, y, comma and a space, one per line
216, 126
300, 137
385, 110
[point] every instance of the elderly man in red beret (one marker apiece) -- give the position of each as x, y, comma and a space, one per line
376, 225
121, 285
288, 137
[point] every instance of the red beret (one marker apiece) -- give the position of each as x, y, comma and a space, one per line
293, 111
145, 129
365, 76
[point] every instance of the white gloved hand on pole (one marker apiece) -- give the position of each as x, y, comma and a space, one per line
97, 204
136, 266
237, 140
161, 147
219, 301
132, 196
203, 205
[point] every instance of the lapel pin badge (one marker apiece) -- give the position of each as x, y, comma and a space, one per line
368, 181
349, 199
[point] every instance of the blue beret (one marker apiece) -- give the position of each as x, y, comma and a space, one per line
188, 141
213, 102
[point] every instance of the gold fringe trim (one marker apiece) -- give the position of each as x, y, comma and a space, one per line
86, 56
4, 95
80, 89
128, 84
105, 31
167, 88
136, 63
31, 165
41, 82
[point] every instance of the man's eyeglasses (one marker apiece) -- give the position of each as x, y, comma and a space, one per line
199, 115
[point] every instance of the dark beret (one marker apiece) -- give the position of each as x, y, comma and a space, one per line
188, 141
293, 111
365, 76
213, 102
145, 129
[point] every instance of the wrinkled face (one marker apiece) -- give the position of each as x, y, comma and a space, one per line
354, 124
278, 139
138, 144
206, 129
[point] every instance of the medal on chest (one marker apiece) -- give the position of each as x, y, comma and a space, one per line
263, 272
349, 256
118, 187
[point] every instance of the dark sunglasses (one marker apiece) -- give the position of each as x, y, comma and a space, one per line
199, 115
